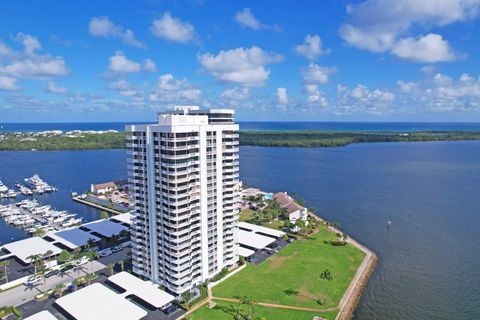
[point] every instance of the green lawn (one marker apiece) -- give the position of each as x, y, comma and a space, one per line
291, 277
247, 215
226, 311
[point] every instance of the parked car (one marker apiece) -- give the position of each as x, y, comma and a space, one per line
290, 240
105, 253
52, 273
171, 309
116, 249
32, 280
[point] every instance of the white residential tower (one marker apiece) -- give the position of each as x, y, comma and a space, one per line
183, 173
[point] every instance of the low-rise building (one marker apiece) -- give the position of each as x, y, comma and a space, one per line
295, 211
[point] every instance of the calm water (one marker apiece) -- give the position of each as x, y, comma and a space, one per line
429, 265
328, 126
67, 170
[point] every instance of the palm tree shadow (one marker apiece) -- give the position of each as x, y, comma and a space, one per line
291, 292
228, 310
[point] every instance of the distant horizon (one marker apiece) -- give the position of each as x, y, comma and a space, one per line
250, 121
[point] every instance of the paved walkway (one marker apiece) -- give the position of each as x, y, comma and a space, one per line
281, 306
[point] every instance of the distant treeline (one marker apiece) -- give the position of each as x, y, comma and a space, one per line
247, 138
337, 139
113, 140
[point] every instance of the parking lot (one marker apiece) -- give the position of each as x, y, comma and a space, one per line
263, 254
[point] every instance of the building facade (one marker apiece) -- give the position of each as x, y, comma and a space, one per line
183, 174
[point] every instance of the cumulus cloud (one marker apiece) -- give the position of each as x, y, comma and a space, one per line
282, 97
442, 93
36, 68
4, 50
363, 99
169, 89
246, 19
315, 74
380, 25
8, 83
119, 63
236, 94
30, 63
30, 43
103, 27
314, 96
53, 88
311, 48
244, 66
429, 48
173, 29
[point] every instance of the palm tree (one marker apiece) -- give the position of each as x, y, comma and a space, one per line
91, 255
5, 265
187, 297
122, 264
59, 289
47, 255
324, 276
104, 215
34, 258
39, 232
90, 244
110, 268
42, 272
250, 304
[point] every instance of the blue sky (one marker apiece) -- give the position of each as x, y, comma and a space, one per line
373, 60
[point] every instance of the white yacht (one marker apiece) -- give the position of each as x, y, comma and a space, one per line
3, 188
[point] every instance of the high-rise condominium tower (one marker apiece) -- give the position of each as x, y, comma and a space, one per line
183, 174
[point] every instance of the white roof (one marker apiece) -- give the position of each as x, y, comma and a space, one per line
253, 240
98, 302
42, 315
257, 229
124, 218
106, 228
24, 248
72, 238
145, 290
244, 252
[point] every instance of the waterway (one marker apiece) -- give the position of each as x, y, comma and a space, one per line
428, 260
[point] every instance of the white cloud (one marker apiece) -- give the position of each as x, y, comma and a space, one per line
245, 66
119, 63
53, 88
361, 99
29, 63
173, 29
377, 25
314, 96
8, 83
169, 89
442, 93
36, 68
149, 65
103, 27
236, 94
246, 19
406, 87
311, 48
30, 43
315, 74
4, 50
282, 97
430, 48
